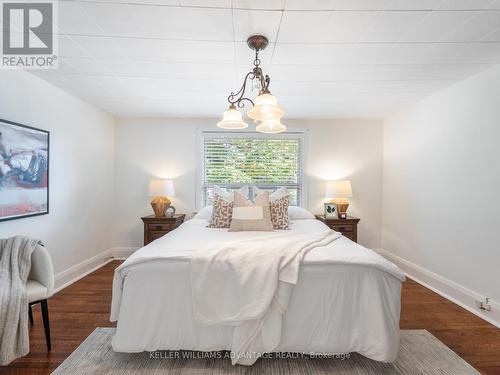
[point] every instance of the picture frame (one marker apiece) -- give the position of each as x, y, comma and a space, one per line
24, 171
170, 211
331, 211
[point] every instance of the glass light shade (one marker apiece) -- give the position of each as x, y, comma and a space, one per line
265, 108
339, 189
161, 188
232, 119
271, 127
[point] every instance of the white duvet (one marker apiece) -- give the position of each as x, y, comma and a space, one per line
182, 292
247, 284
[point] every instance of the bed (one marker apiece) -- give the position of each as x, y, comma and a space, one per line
347, 297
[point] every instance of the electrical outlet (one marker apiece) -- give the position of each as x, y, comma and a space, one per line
484, 304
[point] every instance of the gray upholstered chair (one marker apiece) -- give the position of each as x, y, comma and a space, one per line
40, 286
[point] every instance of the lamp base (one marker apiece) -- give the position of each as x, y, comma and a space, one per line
342, 206
159, 205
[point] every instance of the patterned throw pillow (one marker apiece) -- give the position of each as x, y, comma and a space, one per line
279, 207
222, 213
279, 213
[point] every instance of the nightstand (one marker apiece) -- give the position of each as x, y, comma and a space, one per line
156, 227
348, 227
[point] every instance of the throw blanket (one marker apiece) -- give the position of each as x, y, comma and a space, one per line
15, 263
247, 284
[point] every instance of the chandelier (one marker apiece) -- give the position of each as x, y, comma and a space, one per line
265, 110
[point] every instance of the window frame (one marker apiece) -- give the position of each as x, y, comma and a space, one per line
295, 133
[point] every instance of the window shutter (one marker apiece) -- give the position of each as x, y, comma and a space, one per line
268, 162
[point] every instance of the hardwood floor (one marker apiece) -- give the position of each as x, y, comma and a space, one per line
77, 310
473, 339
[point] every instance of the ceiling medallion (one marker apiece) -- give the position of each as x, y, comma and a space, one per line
265, 110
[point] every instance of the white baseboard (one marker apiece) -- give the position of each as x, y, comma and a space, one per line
450, 290
76, 272
122, 252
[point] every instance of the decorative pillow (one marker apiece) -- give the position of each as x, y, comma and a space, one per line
275, 195
229, 195
279, 207
204, 213
299, 213
222, 213
251, 216
279, 212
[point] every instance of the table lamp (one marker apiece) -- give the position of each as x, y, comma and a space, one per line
338, 192
159, 189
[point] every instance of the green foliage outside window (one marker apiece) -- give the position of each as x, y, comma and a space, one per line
263, 162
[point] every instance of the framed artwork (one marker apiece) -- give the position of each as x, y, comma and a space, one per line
24, 171
331, 211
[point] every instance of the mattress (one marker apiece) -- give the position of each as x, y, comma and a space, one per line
347, 298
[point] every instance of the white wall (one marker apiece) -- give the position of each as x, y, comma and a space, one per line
168, 148
347, 149
78, 226
148, 148
441, 186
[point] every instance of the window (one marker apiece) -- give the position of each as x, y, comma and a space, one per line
233, 160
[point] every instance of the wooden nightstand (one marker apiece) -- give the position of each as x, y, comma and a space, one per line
348, 227
156, 227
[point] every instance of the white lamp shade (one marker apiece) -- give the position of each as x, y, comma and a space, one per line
339, 189
265, 108
271, 127
232, 119
161, 188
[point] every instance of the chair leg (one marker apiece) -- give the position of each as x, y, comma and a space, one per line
45, 316
30, 314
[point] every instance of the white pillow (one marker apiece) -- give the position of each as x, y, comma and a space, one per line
275, 195
204, 213
228, 196
299, 213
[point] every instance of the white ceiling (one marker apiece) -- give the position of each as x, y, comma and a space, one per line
326, 58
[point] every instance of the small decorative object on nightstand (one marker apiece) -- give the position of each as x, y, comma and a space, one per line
331, 211
348, 227
338, 192
159, 189
156, 227
170, 211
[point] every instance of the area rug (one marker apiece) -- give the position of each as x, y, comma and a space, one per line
420, 353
